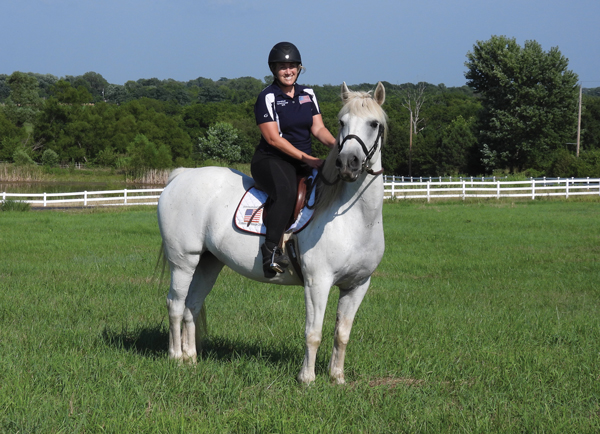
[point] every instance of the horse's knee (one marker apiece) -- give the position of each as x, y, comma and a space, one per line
313, 339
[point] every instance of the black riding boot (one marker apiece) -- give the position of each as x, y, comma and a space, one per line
274, 260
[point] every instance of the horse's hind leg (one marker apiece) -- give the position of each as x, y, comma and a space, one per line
348, 305
181, 278
190, 283
193, 323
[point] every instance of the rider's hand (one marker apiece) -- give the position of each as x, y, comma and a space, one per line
313, 162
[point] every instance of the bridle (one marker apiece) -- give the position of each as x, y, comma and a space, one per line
368, 152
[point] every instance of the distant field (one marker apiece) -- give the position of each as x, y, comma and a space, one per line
483, 317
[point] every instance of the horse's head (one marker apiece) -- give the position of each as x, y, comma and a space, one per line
363, 125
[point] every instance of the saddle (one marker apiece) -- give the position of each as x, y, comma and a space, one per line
251, 211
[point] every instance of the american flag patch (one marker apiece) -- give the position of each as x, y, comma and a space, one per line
304, 98
252, 216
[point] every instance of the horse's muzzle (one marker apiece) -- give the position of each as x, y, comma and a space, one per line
349, 167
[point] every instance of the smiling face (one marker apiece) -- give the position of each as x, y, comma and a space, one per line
286, 73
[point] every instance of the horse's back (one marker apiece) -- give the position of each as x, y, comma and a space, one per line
197, 199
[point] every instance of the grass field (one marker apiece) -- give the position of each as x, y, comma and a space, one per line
483, 317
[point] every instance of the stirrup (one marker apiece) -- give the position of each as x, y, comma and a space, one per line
279, 261
274, 261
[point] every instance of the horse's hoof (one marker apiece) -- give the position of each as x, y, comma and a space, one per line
305, 378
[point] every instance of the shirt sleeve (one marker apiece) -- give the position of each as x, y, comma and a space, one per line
264, 108
315, 105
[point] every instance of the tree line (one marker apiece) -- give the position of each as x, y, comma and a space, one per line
516, 113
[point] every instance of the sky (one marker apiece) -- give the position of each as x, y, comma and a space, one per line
356, 41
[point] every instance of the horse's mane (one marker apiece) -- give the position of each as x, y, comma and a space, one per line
359, 104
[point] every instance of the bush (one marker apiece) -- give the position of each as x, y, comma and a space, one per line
14, 205
220, 143
49, 158
21, 158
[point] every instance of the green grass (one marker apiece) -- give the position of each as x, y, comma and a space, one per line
14, 205
483, 317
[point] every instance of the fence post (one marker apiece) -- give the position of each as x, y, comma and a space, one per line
463, 189
497, 189
428, 190
85, 198
567, 188
532, 189
125, 197
44, 198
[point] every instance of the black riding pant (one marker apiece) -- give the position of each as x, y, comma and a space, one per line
276, 177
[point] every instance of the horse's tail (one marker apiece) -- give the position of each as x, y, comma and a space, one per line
176, 172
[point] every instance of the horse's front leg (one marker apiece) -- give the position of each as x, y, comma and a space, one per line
316, 301
348, 305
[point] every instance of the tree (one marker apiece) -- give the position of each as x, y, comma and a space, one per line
457, 141
67, 94
220, 143
590, 122
529, 100
144, 154
22, 104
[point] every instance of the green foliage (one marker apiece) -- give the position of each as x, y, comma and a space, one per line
65, 93
176, 114
107, 157
220, 143
49, 158
21, 158
144, 154
457, 145
529, 98
14, 205
566, 165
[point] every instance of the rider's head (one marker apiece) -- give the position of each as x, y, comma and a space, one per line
284, 52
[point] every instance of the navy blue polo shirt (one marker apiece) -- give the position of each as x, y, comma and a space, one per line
294, 116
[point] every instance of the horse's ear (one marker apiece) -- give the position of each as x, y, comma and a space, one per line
379, 96
345, 92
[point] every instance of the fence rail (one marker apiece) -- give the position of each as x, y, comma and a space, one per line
393, 188
148, 196
474, 188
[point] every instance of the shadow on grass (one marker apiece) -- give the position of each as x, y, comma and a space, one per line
148, 341
225, 349
153, 341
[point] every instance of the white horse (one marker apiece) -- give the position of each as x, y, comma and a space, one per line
342, 245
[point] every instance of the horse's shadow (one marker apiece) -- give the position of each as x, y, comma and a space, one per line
152, 341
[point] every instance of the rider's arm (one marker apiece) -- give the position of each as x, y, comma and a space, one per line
322, 134
270, 132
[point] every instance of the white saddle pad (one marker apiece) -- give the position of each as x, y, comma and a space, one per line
249, 214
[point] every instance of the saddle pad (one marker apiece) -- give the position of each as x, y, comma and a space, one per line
248, 219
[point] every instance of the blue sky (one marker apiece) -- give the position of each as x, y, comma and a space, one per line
354, 41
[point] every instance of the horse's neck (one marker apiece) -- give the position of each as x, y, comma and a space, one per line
365, 196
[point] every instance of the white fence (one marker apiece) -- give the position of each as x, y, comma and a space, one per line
474, 188
394, 187
89, 198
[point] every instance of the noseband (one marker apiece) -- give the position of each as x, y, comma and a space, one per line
368, 152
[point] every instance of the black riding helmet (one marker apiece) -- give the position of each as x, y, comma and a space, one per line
284, 52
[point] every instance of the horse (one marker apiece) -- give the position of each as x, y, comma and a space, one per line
342, 245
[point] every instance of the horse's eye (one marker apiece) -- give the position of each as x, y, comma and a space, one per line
342, 124
374, 124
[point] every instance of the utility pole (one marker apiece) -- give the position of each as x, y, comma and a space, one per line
579, 121
410, 146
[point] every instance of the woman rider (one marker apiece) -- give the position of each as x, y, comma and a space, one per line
286, 114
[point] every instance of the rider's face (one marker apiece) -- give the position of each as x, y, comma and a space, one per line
286, 73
